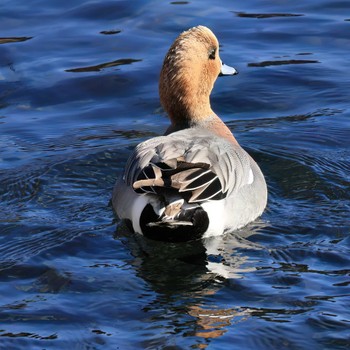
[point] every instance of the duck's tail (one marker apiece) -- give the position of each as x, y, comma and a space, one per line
176, 221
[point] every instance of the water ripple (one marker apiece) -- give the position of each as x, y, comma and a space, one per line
99, 67
70, 279
266, 15
14, 39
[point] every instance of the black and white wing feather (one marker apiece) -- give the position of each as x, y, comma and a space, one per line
195, 163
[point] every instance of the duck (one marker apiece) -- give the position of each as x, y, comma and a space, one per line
195, 181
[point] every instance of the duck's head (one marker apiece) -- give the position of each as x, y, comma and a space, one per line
189, 71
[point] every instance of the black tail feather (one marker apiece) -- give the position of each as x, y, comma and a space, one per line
177, 230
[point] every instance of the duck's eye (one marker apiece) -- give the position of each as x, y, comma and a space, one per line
212, 54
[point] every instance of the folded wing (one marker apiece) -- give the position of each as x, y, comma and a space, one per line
194, 163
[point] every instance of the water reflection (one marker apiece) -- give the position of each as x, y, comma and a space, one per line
14, 39
110, 32
280, 62
266, 15
99, 67
191, 274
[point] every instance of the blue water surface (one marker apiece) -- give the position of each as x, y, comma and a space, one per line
79, 89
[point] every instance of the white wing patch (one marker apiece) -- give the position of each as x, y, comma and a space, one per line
250, 176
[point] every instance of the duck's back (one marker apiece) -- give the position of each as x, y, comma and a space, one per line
189, 184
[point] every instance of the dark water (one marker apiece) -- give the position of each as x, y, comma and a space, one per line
78, 89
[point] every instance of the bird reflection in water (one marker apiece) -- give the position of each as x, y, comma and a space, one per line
191, 274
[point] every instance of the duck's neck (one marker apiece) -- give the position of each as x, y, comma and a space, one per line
209, 122
185, 97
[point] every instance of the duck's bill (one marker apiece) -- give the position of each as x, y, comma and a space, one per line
227, 70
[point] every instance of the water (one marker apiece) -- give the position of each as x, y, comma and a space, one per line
78, 89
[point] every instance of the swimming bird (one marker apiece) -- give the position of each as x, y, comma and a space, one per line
195, 181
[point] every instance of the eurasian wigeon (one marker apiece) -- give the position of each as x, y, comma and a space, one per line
195, 181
